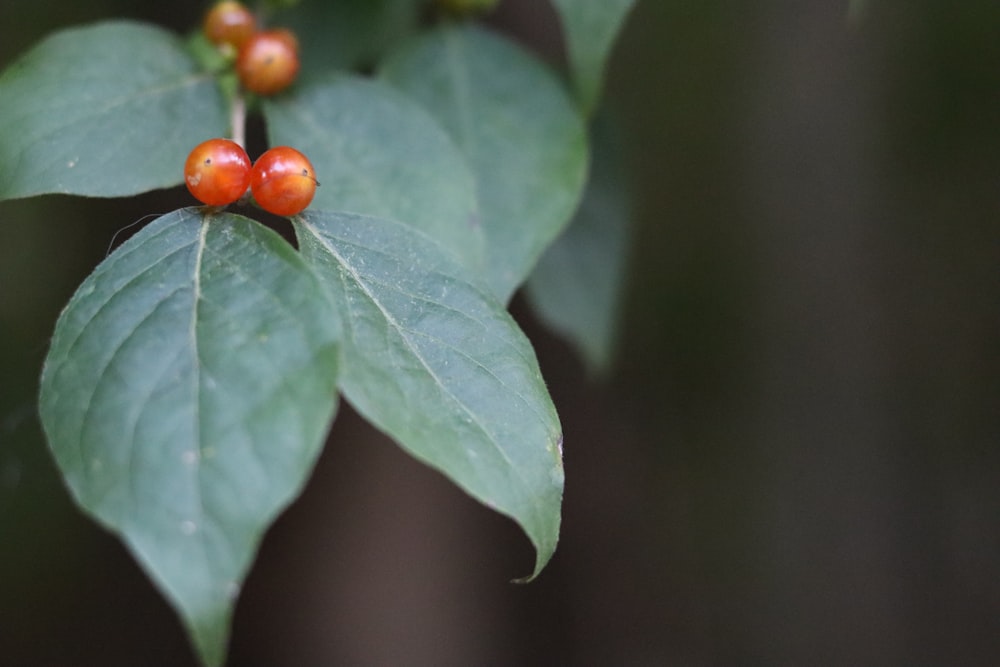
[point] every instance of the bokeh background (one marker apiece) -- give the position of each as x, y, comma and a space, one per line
795, 460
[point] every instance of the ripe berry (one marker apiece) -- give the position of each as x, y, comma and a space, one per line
287, 36
217, 172
268, 62
229, 23
283, 181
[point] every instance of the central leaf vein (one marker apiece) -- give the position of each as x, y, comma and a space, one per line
393, 323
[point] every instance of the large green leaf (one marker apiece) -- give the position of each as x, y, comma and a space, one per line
577, 286
186, 395
376, 152
590, 27
347, 33
106, 110
437, 363
519, 130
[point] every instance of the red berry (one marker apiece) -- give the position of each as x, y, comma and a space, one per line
283, 181
229, 23
268, 62
287, 36
217, 172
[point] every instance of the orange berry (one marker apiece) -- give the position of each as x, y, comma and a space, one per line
217, 172
288, 36
229, 23
268, 62
283, 181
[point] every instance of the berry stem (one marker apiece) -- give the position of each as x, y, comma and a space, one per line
238, 119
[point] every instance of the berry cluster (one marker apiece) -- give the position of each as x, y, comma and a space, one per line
267, 61
218, 172
282, 180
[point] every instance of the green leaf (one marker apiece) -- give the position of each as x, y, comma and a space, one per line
107, 110
519, 130
376, 152
186, 395
591, 27
437, 363
576, 288
348, 33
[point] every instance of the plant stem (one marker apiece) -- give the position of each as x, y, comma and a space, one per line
238, 119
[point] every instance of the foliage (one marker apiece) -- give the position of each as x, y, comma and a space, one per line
193, 376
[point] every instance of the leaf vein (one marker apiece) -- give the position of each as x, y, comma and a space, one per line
474, 417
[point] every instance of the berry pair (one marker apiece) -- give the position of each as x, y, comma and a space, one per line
282, 180
267, 61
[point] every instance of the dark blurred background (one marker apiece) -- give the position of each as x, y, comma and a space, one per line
796, 460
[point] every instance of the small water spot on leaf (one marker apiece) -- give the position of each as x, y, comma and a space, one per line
232, 590
72, 163
188, 527
190, 457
